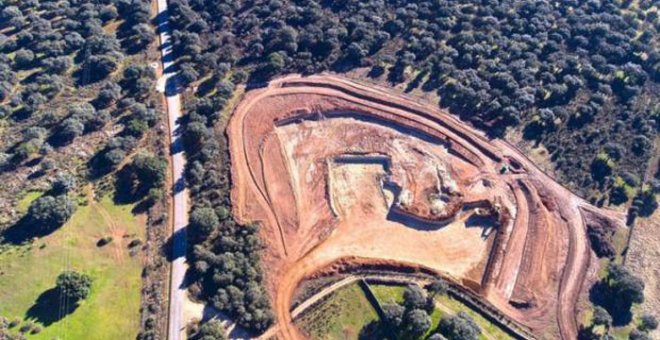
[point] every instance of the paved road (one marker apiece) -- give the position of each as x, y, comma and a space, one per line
168, 85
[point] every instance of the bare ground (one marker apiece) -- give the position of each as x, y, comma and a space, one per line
334, 170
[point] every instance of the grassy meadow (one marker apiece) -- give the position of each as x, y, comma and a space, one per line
28, 274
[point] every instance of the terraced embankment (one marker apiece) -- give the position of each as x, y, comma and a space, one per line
441, 197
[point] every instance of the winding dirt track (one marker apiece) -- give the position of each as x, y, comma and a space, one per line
315, 211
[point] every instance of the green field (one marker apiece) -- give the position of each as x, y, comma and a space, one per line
341, 316
388, 293
28, 273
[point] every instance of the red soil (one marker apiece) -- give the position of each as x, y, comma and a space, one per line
334, 170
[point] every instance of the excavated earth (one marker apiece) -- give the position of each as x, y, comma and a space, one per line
336, 171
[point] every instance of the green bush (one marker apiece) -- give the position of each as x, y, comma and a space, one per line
47, 212
73, 285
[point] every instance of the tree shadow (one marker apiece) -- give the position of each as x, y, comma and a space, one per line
129, 190
126, 190
57, 141
258, 78
415, 83
141, 207
486, 223
23, 231
533, 132
175, 246
50, 307
373, 330
431, 84
410, 221
36, 174
21, 114
206, 87
97, 165
376, 71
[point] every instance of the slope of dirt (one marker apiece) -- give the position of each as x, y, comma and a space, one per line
335, 170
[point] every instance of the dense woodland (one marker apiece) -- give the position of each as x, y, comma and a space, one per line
77, 99
579, 78
69, 70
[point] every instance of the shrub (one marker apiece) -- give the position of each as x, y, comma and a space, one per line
211, 330
394, 314
70, 129
648, 322
437, 287
416, 323
602, 317
150, 170
63, 183
24, 58
73, 285
104, 241
49, 212
134, 243
460, 326
26, 327
36, 329
203, 221
636, 334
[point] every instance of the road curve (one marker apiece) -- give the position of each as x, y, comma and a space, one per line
168, 85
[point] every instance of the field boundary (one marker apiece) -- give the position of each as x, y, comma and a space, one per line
366, 277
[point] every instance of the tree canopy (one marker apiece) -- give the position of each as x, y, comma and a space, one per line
73, 285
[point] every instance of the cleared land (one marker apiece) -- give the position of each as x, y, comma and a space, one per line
28, 274
337, 172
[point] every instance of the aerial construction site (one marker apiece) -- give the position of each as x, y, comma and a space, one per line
340, 174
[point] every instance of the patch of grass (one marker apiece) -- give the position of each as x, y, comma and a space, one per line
620, 240
25, 201
486, 326
621, 333
231, 103
341, 316
112, 309
388, 293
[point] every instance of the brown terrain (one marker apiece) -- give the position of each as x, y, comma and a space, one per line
335, 171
